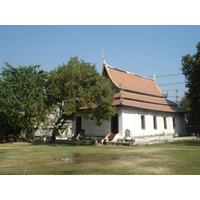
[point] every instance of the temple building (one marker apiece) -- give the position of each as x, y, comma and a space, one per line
141, 107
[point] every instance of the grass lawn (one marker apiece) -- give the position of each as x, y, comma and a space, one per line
174, 158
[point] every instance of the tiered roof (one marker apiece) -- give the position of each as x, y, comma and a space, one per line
138, 92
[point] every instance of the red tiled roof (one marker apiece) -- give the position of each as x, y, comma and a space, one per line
132, 82
143, 98
147, 106
138, 92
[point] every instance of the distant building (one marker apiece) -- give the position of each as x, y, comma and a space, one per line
140, 105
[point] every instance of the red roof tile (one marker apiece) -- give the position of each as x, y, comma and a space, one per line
150, 106
138, 92
143, 98
128, 81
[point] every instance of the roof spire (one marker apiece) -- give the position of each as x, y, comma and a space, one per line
154, 77
103, 59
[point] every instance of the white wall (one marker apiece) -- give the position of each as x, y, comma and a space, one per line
91, 129
180, 124
130, 118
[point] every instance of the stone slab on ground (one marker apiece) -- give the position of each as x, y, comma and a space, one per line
159, 139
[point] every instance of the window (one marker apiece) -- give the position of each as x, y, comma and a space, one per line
155, 122
142, 121
174, 123
165, 122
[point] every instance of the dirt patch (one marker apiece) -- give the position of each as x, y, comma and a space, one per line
157, 170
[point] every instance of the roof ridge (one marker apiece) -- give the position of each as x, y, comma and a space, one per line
152, 79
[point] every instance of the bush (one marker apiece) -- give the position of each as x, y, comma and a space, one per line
30, 137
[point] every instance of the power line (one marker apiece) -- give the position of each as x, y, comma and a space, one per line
168, 75
172, 84
173, 90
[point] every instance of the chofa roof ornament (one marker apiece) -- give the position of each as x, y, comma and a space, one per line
103, 59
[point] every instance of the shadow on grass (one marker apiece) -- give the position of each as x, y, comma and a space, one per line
49, 144
63, 143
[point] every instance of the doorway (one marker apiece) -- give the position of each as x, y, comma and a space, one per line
115, 124
78, 124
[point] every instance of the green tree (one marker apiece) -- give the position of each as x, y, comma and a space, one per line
23, 97
77, 85
191, 70
185, 103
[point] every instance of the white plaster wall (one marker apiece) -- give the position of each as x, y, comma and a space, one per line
180, 124
130, 118
91, 129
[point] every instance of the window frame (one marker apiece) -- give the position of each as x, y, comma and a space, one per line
165, 122
143, 124
174, 122
155, 124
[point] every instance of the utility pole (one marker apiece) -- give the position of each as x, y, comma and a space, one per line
177, 101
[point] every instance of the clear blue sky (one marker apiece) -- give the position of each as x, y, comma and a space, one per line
143, 50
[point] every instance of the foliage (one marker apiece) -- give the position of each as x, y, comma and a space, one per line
191, 70
23, 96
28, 94
185, 103
30, 137
77, 84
